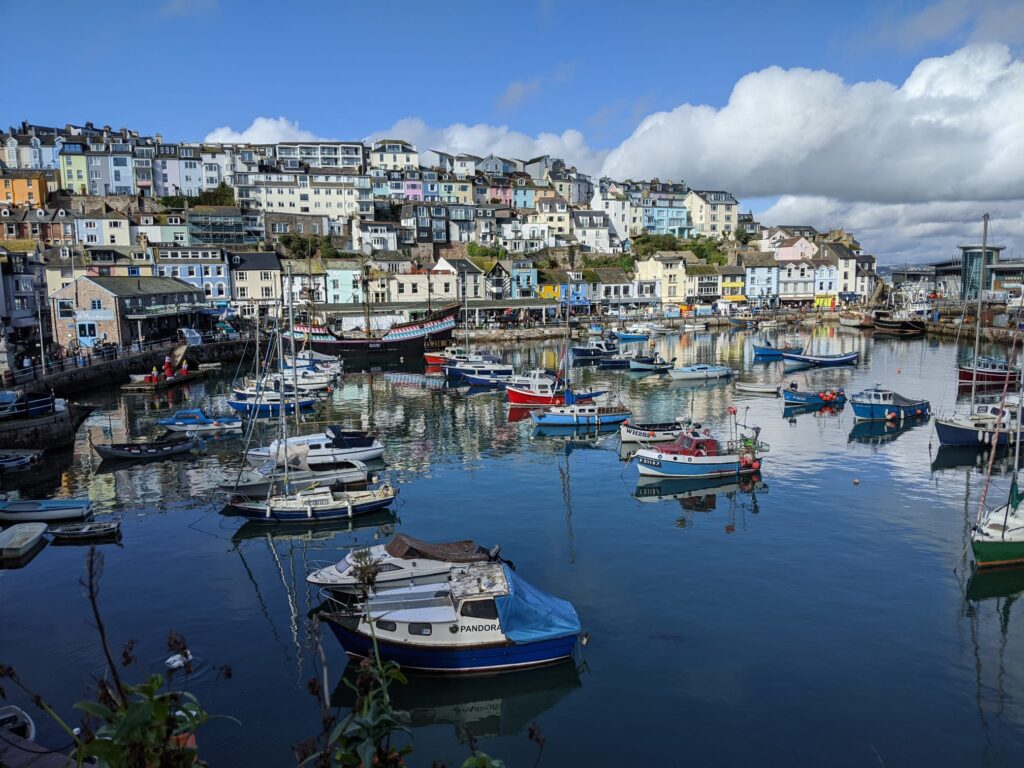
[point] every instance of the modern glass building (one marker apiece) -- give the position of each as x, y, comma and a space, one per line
970, 269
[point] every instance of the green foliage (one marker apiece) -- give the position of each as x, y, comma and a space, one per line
623, 261
301, 246
645, 245
483, 252
743, 236
222, 195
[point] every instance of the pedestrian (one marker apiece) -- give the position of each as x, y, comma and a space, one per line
26, 363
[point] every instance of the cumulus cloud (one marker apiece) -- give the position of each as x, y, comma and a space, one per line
953, 130
483, 139
263, 130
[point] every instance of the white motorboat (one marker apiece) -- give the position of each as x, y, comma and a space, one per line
321, 448
652, 432
14, 509
19, 540
401, 562
701, 372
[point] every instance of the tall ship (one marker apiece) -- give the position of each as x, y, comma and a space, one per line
402, 342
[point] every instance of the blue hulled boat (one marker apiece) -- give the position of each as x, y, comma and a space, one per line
775, 352
823, 397
823, 361
197, 420
490, 382
485, 618
476, 366
576, 412
268, 404
626, 336
697, 454
594, 350
880, 404
314, 504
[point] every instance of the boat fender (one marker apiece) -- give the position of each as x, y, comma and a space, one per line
650, 434
755, 464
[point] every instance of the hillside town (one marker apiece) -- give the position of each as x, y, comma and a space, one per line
111, 237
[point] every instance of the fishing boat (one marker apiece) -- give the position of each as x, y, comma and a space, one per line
197, 420
880, 404
821, 397
454, 353
579, 413
695, 453
767, 351
823, 361
332, 445
14, 509
791, 410
988, 371
851, 318
651, 432
757, 388
399, 563
18, 540
701, 372
477, 366
485, 619
595, 349
314, 504
898, 323
144, 451
91, 531
656, 364
539, 388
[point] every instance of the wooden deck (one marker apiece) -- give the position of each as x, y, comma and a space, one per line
174, 381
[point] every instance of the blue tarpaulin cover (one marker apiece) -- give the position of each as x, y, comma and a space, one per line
528, 615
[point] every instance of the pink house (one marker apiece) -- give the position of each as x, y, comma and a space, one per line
500, 193
795, 248
413, 189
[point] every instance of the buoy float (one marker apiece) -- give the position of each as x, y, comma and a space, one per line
856, 481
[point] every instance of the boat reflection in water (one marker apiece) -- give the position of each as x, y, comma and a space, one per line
990, 584
571, 432
701, 494
959, 456
879, 432
478, 706
790, 412
325, 531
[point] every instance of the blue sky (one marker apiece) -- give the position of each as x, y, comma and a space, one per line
899, 120
184, 67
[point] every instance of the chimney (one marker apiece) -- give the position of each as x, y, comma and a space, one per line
159, 138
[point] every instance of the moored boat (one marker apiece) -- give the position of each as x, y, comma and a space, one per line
19, 540
757, 388
701, 372
651, 432
267, 402
631, 335
853, 319
880, 404
696, 453
332, 445
401, 562
819, 397
477, 366
315, 504
595, 349
196, 420
14, 509
656, 364
144, 451
485, 619
767, 351
988, 371
577, 413
987, 425
91, 531
823, 361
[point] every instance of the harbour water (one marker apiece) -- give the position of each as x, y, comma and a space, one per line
812, 617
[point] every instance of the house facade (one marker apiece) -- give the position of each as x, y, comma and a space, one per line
206, 268
255, 282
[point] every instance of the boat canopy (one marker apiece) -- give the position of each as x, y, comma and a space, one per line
408, 548
693, 445
528, 615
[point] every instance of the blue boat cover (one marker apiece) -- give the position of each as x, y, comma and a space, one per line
528, 615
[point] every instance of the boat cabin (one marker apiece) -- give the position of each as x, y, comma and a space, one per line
693, 444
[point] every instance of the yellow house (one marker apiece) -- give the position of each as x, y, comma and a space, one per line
456, 191
23, 187
548, 287
73, 174
553, 211
668, 271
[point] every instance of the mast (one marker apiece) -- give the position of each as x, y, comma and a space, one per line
295, 362
465, 308
977, 319
281, 416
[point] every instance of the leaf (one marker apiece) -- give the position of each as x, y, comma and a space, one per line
367, 751
138, 714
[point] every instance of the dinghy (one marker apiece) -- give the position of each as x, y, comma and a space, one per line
91, 531
651, 432
16, 721
485, 619
144, 451
18, 540
823, 361
656, 364
315, 504
701, 372
18, 510
399, 563
196, 420
756, 388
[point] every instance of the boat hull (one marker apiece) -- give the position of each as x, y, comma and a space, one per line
653, 463
889, 412
28, 510
997, 554
627, 337
269, 409
775, 352
18, 540
823, 361
955, 433
982, 376
812, 398
463, 659
649, 433
52, 430
144, 452
682, 374
574, 420
262, 514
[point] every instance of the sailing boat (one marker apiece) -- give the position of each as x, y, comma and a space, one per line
984, 425
401, 342
480, 366
575, 410
998, 538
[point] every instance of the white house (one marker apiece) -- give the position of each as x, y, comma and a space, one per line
592, 231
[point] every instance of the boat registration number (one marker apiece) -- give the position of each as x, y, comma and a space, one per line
649, 462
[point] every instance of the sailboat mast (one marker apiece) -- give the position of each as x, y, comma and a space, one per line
977, 319
295, 362
364, 268
465, 308
282, 419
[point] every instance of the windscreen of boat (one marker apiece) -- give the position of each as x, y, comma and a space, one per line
691, 446
408, 548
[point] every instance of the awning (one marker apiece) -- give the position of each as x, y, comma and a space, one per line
738, 297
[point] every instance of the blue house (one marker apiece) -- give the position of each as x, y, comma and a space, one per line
762, 279
204, 267
576, 291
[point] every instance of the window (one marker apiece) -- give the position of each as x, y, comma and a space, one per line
96, 304
268, 292
264, 275
386, 626
420, 629
87, 330
480, 609
90, 225
243, 291
133, 271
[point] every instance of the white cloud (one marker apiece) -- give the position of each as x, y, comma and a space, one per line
483, 139
263, 130
180, 8
516, 93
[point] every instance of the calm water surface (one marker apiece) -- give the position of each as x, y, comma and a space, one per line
812, 618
